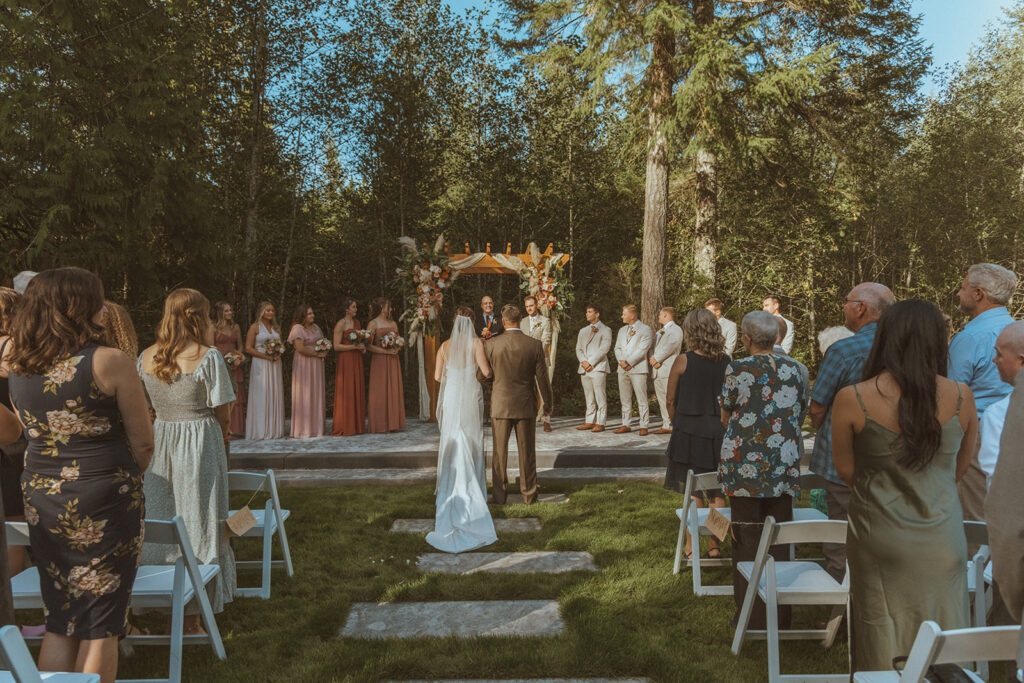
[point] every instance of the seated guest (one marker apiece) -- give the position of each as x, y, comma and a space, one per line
900, 440
830, 335
762, 404
189, 385
694, 385
89, 441
1009, 360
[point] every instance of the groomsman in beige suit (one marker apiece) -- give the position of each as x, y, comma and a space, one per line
538, 327
592, 346
631, 347
667, 343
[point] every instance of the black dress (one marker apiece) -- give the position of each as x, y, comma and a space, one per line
12, 459
697, 424
83, 498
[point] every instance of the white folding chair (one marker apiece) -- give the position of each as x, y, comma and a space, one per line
693, 519
269, 520
794, 582
155, 587
981, 596
934, 646
23, 668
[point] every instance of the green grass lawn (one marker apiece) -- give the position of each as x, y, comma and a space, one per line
633, 618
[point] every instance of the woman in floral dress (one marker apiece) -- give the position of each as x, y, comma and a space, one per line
763, 402
89, 440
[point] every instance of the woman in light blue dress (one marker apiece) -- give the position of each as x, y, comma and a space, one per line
189, 386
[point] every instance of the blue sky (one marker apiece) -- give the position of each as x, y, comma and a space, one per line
950, 26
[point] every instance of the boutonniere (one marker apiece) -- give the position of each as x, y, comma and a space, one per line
630, 335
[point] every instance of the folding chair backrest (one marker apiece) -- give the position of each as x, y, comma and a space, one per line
695, 483
17, 533
976, 532
987, 644
163, 532
247, 481
19, 659
810, 531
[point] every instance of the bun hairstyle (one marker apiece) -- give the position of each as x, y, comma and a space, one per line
186, 321
467, 312
342, 310
299, 314
378, 305
54, 319
119, 332
262, 306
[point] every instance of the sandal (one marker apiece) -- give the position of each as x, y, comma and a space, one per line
688, 556
717, 553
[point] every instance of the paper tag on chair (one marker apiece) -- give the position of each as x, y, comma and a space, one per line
241, 521
718, 524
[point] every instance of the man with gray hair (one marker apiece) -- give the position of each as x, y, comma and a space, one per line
842, 366
984, 293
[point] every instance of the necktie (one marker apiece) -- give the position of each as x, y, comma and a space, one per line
593, 331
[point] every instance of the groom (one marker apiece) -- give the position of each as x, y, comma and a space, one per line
519, 370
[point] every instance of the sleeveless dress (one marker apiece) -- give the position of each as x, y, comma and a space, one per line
83, 498
905, 544
386, 409
226, 343
349, 393
697, 430
188, 474
307, 386
264, 418
12, 459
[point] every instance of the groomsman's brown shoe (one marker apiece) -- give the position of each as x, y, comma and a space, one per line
547, 426
623, 430
598, 428
643, 432
585, 426
663, 431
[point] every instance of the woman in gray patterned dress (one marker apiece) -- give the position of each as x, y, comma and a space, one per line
189, 386
89, 439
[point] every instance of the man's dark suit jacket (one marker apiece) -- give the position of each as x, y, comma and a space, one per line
496, 326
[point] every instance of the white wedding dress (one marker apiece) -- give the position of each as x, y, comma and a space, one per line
462, 521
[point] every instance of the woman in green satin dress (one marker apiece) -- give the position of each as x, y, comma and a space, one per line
901, 440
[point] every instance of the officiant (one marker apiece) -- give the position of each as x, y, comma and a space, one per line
489, 325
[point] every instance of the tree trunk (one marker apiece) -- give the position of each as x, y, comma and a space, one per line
259, 84
706, 201
656, 191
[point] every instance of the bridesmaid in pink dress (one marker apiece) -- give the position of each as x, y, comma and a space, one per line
307, 376
227, 337
386, 408
349, 380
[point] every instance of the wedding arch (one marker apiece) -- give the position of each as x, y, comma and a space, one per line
430, 272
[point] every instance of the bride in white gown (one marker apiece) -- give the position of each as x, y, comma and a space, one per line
462, 521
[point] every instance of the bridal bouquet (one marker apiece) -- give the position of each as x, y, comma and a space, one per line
392, 340
234, 359
323, 345
273, 348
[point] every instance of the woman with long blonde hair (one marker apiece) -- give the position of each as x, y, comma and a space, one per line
264, 418
190, 388
227, 337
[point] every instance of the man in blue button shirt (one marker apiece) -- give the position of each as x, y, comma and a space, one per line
984, 294
842, 366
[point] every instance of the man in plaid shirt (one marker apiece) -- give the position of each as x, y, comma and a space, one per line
842, 366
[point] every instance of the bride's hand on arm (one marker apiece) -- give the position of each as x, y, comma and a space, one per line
481, 358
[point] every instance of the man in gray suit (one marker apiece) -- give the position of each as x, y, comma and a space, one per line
592, 346
631, 345
667, 343
520, 372
728, 327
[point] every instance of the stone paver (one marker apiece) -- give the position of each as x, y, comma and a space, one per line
461, 619
422, 526
533, 680
546, 562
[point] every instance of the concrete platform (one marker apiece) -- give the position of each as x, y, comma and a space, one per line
502, 526
536, 562
371, 620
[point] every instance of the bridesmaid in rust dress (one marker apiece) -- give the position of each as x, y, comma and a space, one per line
227, 337
386, 407
349, 387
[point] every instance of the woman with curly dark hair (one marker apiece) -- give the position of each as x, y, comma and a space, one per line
694, 385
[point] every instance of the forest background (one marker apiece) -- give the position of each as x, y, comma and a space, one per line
277, 149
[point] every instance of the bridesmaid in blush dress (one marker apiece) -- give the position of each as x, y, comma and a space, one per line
349, 387
307, 375
265, 416
227, 337
386, 408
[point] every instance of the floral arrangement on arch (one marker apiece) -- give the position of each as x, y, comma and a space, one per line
543, 278
430, 274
